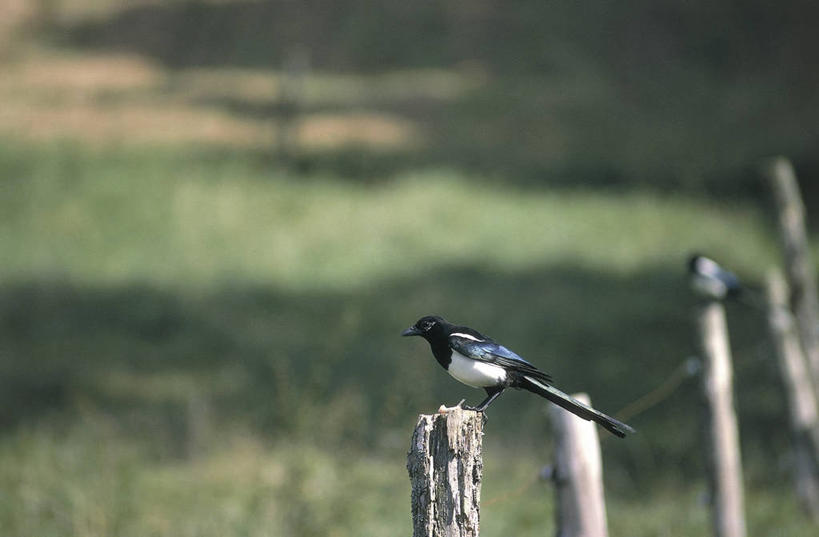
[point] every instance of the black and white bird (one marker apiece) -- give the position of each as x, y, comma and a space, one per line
477, 361
710, 280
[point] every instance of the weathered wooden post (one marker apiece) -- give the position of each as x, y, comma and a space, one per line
578, 475
198, 419
445, 465
722, 430
291, 96
799, 267
804, 420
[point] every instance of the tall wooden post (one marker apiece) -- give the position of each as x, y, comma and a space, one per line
804, 420
578, 475
445, 466
723, 434
291, 96
799, 266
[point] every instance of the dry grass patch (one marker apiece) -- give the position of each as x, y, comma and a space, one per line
131, 123
89, 74
376, 131
104, 99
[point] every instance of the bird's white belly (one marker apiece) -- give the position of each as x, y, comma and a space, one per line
709, 287
475, 373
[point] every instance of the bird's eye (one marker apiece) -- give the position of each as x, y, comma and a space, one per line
428, 325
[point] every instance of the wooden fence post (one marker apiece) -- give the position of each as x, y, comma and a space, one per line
804, 421
291, 96
723, 434
578, 475
798, 264
445, 466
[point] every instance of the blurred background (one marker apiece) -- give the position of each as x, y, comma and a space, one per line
216, 216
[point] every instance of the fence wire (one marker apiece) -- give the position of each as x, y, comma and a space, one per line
686, 369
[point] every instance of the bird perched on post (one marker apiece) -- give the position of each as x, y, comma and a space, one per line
710, 280
477, 361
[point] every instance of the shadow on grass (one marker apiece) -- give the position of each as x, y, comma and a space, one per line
254, 33
532, 36
669, 107
168, 366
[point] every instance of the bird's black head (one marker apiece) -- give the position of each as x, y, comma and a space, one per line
428, 327
693, 262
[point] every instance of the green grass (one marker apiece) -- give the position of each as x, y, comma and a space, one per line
195, 343
157, 216
204, 340
86, 481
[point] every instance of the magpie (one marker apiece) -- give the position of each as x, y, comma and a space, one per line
477, 361
711, 281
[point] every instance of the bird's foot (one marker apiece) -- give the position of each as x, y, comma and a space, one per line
474, 409
444, 409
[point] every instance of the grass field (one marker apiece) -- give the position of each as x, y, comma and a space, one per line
203, 344
199, 329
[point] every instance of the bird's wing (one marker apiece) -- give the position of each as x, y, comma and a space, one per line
710, 268
729, 279
486, 350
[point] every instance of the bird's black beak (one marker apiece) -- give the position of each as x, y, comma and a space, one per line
411, 331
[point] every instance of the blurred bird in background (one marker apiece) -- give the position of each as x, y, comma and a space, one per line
709, 280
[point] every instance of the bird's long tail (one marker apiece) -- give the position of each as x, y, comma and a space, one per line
749, 296
615, 427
